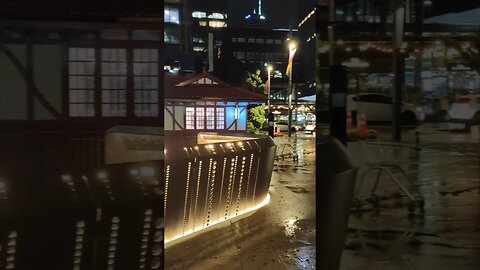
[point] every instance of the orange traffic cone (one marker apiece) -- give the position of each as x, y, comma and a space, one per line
277, 132
363, 129
349, 121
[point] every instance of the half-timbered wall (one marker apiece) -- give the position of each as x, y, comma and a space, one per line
234, 116
94, 78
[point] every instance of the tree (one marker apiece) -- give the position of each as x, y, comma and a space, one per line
254, 82
256, 119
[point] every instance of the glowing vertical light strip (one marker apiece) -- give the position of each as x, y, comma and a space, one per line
221, 187
233, 184
259, 7
167, 176
230, 180
210, 197
209, 175
196, 196
186, 196
249, 179
240, 185
256, 178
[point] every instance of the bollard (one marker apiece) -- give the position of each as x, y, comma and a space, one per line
336, 175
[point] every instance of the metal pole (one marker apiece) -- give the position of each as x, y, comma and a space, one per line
398, 66
268, 90
290, 102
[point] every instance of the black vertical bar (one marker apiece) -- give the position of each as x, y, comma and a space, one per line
337, 103
98, 79
397, 103
271, 124
65, 82
419, 13
31, 80
130, 85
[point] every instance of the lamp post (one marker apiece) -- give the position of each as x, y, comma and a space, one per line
292, 49
398, 69
269, 72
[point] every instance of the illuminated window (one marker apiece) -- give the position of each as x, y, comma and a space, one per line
217, 24
220, 118
114, 82
202, 23
81, 69
145, 72
210, 115
171, 15
200, 117
216, 16
198, 49
190, 118
199, 14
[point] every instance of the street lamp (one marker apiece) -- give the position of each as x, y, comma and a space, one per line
292, 50
269, 72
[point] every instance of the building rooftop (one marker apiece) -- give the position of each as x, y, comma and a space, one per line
207, 87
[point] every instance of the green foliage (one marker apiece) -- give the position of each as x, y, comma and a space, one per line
256, 119
254, 81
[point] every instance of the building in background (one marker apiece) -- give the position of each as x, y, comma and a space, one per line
434, 65
202, 102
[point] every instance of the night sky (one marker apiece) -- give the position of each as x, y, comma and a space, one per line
279, 13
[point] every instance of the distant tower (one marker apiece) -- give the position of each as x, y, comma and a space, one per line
257, 18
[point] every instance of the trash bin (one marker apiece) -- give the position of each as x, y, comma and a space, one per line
336, 175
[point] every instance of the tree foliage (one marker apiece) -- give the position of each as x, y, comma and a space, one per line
254, 81
256, 119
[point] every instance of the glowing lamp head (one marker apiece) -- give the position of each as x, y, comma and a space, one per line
292, 45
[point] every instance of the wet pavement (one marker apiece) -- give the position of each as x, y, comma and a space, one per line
279, 236
446, 172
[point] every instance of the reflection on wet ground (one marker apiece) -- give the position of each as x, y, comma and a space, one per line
279, 236
446, 172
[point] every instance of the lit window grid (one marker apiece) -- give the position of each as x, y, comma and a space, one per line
210, 116
114, 82
200, 117
190, 118
171, 15
81, 69
146, 82
220, 118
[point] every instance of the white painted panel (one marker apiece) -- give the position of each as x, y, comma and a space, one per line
13, 88
47, 73
180, 117
168, 118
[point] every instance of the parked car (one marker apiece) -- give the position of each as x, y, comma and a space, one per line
465, 111
378, 107
311, 127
